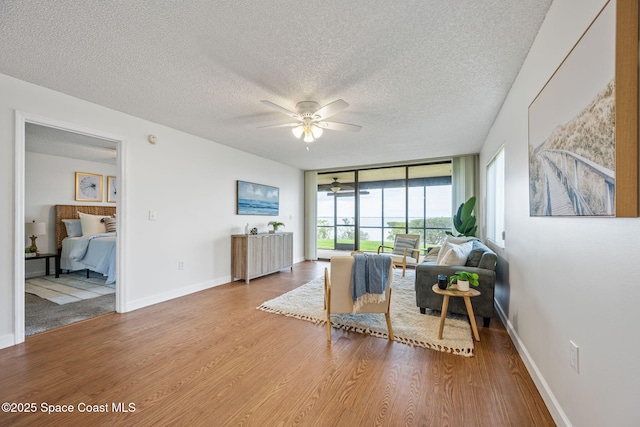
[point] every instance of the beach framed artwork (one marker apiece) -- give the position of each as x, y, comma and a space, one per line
257, 199
583, 133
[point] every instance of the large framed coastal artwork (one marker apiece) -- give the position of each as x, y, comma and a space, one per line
583, 125
257, 199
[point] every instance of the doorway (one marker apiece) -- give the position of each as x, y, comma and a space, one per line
86, 140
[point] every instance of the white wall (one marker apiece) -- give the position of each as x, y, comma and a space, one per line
189, 181
564, 278
50, 180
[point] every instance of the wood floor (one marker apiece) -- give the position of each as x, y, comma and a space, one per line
212, 359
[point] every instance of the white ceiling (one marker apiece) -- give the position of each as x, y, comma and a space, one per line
56, 142
423, 78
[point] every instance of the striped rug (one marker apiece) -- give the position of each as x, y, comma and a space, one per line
68, 288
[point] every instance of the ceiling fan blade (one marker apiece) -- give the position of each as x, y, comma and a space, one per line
331, 109
281, 109
339, 126
285, 125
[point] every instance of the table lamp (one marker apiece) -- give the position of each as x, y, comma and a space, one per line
33, 230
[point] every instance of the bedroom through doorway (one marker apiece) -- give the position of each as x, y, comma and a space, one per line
76, 285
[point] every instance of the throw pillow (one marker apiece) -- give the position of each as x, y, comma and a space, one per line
457, 255
92, 224
403, 243
110, 223
459, 239
73, 227
476, 254
446, 247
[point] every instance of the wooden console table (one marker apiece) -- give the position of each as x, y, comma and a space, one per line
256, 255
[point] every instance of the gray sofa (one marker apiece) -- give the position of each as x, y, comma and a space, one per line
482, 261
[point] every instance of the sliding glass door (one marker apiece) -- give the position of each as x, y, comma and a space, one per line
336, 206
364, 209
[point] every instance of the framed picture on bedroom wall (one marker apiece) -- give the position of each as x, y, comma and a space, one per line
88, 187
583, 125
112, 189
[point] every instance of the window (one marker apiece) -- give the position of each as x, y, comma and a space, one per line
369, 206
495, 199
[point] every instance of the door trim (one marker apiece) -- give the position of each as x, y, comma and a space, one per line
21, 119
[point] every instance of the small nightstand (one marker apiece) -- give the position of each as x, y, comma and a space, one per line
47, 257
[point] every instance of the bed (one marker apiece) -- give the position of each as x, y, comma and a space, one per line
93, 253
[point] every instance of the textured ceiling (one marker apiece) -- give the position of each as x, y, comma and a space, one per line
423, 78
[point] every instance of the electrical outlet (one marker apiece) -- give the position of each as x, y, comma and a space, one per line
573, 356
153, 216
180, 265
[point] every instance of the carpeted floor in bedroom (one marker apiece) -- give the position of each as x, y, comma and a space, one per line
42, 315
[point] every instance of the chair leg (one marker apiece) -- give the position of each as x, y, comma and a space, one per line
327, 302
388, 317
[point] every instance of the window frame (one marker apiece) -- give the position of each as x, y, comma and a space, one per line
495, 200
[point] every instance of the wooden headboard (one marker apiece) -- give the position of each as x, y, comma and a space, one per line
71, 212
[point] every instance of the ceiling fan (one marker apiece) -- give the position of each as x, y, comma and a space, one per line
310, 119
339, 189
335, 186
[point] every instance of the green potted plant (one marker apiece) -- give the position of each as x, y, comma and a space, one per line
275, 225
463, 279
464, 221
30, 252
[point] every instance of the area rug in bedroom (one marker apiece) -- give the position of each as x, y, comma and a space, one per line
409, 325
68, 288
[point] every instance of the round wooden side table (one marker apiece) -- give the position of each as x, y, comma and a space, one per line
453, 292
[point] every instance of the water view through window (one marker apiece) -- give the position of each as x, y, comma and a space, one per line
364, 209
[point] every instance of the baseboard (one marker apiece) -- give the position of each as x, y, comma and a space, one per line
39, 273
550, 400
8, 340
177, 293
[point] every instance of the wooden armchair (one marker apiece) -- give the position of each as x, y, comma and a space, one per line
405, 251
337, 293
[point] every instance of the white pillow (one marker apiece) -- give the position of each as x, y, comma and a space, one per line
457, 254
91, 224
459, 239
446, 247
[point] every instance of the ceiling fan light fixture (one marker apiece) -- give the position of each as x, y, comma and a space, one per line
335, 185
316, 131
308, 135
297, 131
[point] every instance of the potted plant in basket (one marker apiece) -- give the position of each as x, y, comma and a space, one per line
30, 252
463, 279
275, 225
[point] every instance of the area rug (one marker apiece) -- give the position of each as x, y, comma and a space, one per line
68, 288
409, 325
